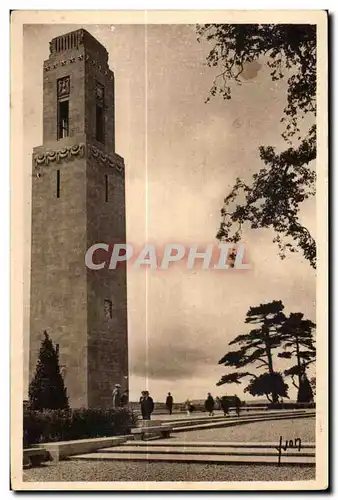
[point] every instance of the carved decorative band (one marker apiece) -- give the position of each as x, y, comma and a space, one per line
105, 158
54, 65
66, 153
69, 152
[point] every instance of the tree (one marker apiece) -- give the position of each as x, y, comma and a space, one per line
298, 341
257, 347
47, 390
274, 197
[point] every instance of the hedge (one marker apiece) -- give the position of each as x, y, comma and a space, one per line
64, 425
290, 406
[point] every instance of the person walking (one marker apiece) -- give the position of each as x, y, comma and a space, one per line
147, 405
225, 406
169, 403
116, 394
209, 404
237, 404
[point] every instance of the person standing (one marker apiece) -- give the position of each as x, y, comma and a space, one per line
209, 404
169, 403
116, 396
125, 398
147, 405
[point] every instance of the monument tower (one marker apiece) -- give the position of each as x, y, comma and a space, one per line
78, 199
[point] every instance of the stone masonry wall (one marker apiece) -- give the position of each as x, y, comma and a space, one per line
67, 299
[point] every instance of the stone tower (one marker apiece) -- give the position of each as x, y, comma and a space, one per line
78, 199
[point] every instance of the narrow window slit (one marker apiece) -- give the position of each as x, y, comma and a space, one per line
63, 118
99, 123
58, 183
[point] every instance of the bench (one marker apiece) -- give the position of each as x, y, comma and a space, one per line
34, 457
60, 450
162, 431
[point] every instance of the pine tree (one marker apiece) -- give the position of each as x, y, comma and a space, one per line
255, 347
47, 390
299, 343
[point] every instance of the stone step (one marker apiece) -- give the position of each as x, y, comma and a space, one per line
216, 418
206, 450
213, 444
226, 422
238, 421
219, 414
195, 458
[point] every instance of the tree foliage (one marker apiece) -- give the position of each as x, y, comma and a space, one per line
47, 390
273, 198
268, 384
273, 331
313, 385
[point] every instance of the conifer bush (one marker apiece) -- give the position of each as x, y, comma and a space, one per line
48, 416
47, 389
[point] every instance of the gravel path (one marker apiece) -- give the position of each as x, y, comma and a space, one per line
156, 471
304, 428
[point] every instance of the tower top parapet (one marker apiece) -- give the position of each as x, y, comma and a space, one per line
75, 40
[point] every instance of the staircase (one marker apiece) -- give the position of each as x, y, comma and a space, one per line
205, 452
176, 450
205, 422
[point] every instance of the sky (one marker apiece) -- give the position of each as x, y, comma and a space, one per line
182, 157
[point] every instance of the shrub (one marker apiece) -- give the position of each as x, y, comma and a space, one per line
268, 384
65, 425
47, 389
